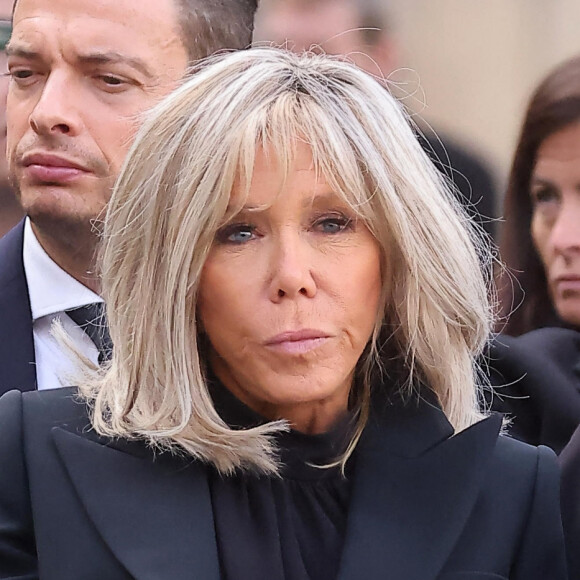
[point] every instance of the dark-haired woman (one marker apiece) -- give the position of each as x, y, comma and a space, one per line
540, 242
539, 371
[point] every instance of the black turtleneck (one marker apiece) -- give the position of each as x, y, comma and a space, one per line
281, 528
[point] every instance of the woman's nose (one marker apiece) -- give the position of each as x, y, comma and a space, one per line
565, 235
292, 269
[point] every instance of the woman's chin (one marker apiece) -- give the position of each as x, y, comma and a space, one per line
568, 308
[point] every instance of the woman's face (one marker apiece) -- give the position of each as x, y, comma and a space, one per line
289, 296
555, 192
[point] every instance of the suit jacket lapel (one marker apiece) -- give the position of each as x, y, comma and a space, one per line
17, 368
413, 491
155, 516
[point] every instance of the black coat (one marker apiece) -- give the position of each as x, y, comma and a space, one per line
17, 370
570, 459
424, 505
537, 383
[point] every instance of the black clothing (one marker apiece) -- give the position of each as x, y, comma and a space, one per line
570, 494
17, 360
423, 505
288, 528
537, 383
91, 318
475, 187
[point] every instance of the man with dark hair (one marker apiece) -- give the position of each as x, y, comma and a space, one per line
81, 74
361, 29
10, 211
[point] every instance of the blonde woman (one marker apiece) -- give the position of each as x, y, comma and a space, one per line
296, 305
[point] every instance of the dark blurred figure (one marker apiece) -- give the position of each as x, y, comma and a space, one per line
360, 29
536, 379
10, 211
540, 241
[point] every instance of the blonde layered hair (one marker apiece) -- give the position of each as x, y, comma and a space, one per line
173, 194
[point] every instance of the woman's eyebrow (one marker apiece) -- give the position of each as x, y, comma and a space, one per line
322, 198
538, 180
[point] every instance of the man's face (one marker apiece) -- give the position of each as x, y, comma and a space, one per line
82, 72
5, 16
331, 24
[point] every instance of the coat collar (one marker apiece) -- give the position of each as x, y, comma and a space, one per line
413, 490
17, 370
155, 515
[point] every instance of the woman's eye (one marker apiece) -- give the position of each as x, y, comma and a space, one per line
236, 234
544, 195
546, 203
333, 224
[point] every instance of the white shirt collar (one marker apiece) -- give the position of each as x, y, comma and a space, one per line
50, 288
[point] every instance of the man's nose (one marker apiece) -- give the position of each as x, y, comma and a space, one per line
292, 268
57, 109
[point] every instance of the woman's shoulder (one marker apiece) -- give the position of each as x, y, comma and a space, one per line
523, 467
47, 408
32, 421
513, 454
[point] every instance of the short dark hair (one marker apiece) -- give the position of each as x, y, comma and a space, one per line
211, 25
554, 105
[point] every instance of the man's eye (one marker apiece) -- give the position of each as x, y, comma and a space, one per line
236, 234
21, 74
113, 81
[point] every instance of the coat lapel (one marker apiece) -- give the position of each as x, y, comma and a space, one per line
17, 368
155, 516
413, 491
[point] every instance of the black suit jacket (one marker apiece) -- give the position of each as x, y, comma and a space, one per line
424, 505
537, 382
17, 365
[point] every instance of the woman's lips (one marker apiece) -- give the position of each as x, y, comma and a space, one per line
565, 284
297, 342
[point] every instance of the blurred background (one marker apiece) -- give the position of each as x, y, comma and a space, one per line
469, 64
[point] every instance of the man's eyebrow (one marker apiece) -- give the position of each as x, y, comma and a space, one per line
20, 51
111, 57
96, 58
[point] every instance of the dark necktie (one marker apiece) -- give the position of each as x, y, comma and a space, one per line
91, 318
